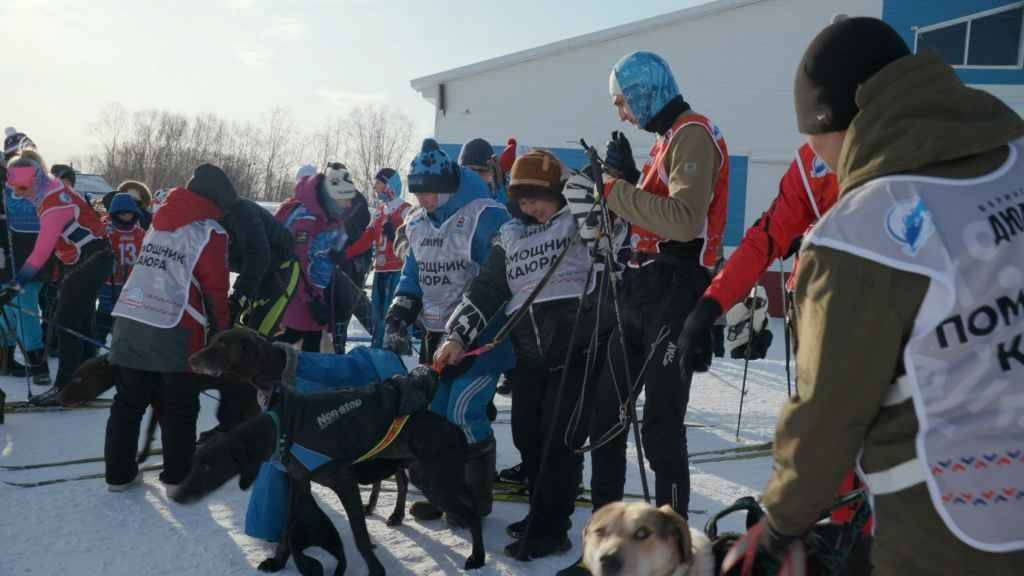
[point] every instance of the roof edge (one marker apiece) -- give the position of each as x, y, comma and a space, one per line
423, 83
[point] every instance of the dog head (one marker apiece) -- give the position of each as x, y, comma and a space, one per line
237, 453
241, 352
636, 539
94, 377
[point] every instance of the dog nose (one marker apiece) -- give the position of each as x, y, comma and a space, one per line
611, 563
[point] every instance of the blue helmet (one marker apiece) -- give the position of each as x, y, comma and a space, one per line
645, 80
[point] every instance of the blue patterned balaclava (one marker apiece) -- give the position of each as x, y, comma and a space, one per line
645, 80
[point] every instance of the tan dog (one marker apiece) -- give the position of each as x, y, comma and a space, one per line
637, 539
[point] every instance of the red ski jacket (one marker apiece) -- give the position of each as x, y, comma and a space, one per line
806, 192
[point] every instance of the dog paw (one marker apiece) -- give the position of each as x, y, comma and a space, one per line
394, 520
472, 563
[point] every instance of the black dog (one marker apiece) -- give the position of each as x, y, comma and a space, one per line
428, 442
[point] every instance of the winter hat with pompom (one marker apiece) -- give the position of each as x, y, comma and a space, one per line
15, 141
433, 171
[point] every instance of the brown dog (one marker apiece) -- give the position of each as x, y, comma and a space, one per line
97, 375
637, 539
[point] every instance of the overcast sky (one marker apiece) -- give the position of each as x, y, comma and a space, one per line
65, 60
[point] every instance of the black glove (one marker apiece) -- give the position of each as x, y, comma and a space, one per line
338, 257
319, 309
763, 550
618, 155
695, 340
396, 337
238, 304
8, 292
388, 230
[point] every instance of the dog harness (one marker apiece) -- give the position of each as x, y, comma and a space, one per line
965, 357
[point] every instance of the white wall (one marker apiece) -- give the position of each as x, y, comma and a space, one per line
736, 66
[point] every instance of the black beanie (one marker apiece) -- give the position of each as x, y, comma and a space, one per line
384, 175
212, 183
63, 172
840, 58
476, 153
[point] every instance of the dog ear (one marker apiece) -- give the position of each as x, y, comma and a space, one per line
676, 525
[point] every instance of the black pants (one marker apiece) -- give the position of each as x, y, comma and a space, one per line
553, 489
655, 302
310, 340
276, 291
76, 307
348, 299
177, 394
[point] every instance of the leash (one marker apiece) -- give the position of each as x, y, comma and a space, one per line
596, 164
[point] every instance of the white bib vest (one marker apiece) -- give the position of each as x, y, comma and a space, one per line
443, 255
530, 251
156, 292
965, 358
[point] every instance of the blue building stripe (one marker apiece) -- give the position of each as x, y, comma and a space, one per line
905, 15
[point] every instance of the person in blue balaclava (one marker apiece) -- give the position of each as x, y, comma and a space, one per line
449, 239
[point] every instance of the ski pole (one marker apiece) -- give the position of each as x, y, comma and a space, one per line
595, 174
785, 324
746, 361
54, 323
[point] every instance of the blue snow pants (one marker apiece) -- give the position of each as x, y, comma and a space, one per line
267, 514
19, 319
382, 293
463, 399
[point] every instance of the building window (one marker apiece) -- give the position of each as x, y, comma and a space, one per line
990, 39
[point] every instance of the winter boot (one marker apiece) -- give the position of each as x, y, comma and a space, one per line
517, 530
13, 367
340, 337
513, 475
38, 367
425, 511
49, 398
479, 475
526, 549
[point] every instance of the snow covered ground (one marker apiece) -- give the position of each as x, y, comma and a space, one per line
79, 528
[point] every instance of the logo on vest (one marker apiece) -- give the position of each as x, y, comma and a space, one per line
325, 419
910, 225
432, 243
818, 168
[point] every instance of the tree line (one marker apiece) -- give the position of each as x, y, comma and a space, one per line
161, 147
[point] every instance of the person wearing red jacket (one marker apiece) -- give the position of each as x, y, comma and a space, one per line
380, 234
807, 190
175, 295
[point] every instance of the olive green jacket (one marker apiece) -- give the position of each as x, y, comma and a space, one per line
854, 316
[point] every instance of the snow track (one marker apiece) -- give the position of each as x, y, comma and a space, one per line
78, 527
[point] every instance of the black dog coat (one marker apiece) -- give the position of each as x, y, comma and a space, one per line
347, 425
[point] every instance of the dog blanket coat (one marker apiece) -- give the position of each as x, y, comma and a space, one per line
344, 425
310, 373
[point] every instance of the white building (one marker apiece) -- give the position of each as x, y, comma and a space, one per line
734, 61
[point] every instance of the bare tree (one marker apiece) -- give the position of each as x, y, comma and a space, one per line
376, 137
